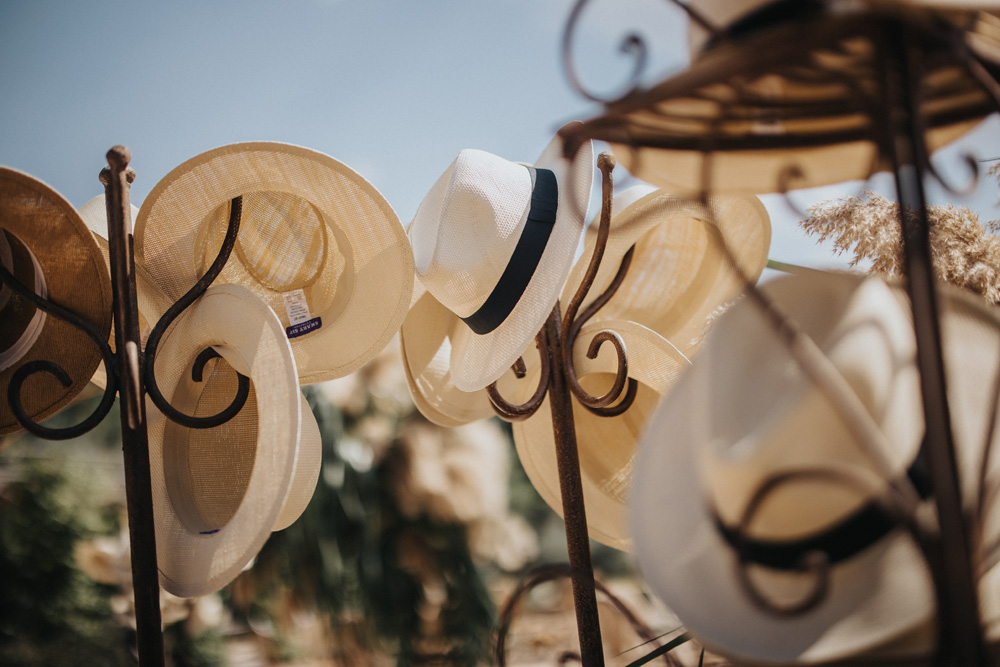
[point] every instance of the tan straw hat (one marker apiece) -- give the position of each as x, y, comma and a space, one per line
49, 248
606, 445
317, 242
152, 301
745, 421
680, 273
218, 493
493, 242
783, 100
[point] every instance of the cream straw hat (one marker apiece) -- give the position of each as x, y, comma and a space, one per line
317, 242
606, 445
745, 413
48, 247
219, 492
680, 274
767, 109
152, 302
493, 242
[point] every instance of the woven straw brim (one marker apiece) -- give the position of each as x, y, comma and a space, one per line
606, 445
151, 300
309, 222
308, 462
793, 119
478, 360
680, 273
425, 341
219, 492
871, 599
76, 278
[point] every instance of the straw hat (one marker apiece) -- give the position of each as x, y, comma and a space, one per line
49, 248
219, 492
680, 274
493, 242
606, 445
152, 302
317, 242
744, 413
767, 108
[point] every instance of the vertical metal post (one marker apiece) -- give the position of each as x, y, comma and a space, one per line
138, 492
950, 553
571, 489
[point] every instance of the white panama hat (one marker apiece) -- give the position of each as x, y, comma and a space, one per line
493, 242
606, 445
218, 493
317, 242
745, 413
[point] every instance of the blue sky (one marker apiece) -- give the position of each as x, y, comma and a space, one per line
394, 89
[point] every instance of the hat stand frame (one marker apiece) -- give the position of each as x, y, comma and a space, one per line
130, 374
906, 50
558, 380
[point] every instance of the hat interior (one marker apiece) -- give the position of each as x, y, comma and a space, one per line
22, 321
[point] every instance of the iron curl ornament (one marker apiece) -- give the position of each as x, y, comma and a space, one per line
130, 374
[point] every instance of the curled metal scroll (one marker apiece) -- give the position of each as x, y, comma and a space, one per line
567, 329
40, 366
199, 288
632, 44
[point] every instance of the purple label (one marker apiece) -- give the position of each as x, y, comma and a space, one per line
303, 327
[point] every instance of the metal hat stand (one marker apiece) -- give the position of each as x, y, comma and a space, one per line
130, 374
889, 97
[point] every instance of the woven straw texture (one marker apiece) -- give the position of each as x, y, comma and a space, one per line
218, 493
742, 397
606, 445
460, 260
75, 277
309, 222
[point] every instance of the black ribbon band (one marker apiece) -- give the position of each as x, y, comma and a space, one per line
849, 537
524, 260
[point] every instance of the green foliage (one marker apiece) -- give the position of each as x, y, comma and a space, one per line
48, 608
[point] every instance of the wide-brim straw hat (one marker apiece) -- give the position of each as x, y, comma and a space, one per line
317, 242
606, 445
493, 241
745, 415
51, 234
680, 273
151, 300
218, 493
789, 98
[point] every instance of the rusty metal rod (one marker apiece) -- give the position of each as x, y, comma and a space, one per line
135, 444
588, 624
961, 641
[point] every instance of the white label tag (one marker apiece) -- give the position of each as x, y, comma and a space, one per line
296, 306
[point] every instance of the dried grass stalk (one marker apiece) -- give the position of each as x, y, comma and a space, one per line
965, 253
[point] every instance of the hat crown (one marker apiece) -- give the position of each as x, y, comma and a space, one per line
786, 424
466, 229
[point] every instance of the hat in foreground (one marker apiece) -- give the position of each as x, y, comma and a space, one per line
218, 493
744, 431
317, 242
493, 242
46, 245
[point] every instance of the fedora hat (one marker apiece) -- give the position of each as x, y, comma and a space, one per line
680, 273
317, 242
151, 300
744, 414
425, 338
606, 445
218, 493
764, 108
493, 242
47, 246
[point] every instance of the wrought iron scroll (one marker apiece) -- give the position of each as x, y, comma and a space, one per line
558, 381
